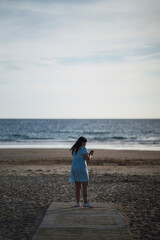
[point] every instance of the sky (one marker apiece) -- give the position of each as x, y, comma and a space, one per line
80, 59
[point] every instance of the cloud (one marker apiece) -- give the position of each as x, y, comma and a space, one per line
54, 51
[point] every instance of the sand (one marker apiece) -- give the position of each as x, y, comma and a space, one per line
30, 179
63, 156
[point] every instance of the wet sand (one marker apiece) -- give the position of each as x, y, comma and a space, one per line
31, 179
63, 156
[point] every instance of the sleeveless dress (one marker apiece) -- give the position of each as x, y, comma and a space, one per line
79, 170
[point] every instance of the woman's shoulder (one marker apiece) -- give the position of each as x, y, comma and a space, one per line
84, 150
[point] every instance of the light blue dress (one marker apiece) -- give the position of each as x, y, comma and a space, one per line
79, 170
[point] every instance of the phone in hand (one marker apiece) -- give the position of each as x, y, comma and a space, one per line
91, 152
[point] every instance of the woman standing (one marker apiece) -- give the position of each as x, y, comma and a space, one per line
79, 170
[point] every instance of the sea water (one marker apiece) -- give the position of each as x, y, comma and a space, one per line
141, 134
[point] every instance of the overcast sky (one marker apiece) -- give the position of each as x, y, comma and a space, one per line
80, 59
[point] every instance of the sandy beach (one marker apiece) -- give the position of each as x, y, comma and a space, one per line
30, 179
63, 156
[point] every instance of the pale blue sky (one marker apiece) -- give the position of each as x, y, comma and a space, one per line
80, 59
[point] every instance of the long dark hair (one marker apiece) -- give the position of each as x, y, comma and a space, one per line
77, 145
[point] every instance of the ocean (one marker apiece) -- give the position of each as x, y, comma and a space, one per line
139, 134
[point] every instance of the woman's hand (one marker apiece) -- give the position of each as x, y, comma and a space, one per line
91, 152
87, 156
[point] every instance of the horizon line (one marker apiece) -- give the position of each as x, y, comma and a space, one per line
29, 118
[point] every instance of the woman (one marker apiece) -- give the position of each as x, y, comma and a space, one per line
79, 170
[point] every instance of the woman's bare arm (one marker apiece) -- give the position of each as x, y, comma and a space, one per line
87, 156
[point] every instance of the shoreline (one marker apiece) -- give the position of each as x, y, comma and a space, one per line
134, 147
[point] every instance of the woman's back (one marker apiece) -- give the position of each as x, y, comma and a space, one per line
79, 171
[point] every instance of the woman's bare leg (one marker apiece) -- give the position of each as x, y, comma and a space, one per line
85, 191
77, 191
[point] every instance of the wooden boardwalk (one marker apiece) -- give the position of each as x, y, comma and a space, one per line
63, 221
